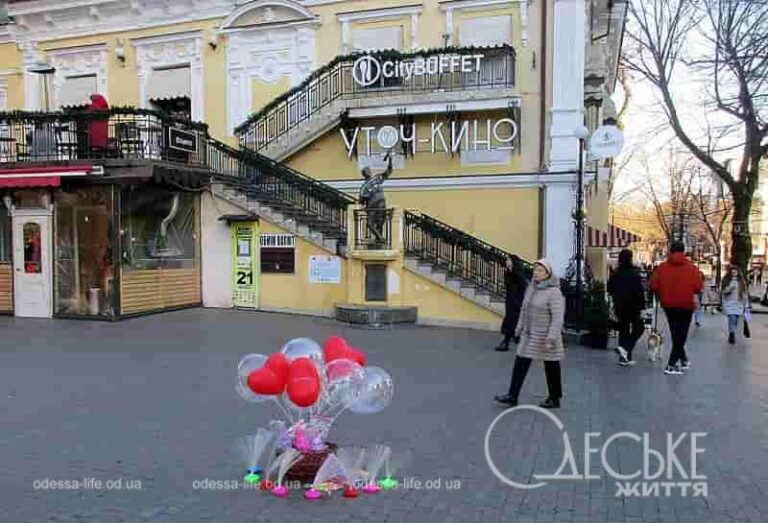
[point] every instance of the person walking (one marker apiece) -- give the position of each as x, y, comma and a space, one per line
515, 283
676, 282
540, 329
699, 298
735, 295
625, 287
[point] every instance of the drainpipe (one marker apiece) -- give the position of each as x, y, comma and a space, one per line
543, 76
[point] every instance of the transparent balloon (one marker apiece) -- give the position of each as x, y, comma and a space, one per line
303, 348
248, 364
345, 380
377, 392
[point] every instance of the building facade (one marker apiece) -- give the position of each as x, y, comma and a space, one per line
475, 102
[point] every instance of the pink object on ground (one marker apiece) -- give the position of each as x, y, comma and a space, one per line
280, 491
312, 494
371, 488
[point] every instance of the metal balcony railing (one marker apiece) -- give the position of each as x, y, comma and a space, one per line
117, 133
336, 81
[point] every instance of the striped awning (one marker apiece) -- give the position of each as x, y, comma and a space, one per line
614, 237
77, 90
173, 82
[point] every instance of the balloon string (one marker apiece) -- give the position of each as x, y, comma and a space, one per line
286, 412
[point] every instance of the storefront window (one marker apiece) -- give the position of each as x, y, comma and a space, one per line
158, 229
5, 235
84, 269
32, 254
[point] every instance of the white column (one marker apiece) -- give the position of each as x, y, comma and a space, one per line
234, 103
449, 25
145, 73
196, 90
346, 37
414, 31
567, 82
32, 81
558, 226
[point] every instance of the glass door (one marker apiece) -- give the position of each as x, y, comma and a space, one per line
32, 263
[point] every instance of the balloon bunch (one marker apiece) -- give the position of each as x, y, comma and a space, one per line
312, 386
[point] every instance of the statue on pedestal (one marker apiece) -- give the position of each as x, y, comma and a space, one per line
372, 198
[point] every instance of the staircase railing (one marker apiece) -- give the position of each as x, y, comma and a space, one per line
336, 80
261, 176
456, 252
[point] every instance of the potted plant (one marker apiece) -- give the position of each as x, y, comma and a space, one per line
597, 316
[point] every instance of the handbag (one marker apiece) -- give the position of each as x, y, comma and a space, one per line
747, 320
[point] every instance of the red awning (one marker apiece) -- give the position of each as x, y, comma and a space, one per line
40, 176
36, 181
616, 237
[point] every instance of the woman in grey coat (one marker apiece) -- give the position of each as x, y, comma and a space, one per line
540, 330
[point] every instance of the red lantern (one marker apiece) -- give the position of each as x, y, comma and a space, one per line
304, 392
264, 381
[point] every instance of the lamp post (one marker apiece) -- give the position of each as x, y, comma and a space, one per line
45, 70
581, 134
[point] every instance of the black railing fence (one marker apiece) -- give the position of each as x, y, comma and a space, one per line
349, 77
117, 133
277, 183
456, 252
373, 229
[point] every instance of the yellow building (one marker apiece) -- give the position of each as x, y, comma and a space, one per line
474, 101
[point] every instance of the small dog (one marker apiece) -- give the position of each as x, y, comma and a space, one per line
654, 341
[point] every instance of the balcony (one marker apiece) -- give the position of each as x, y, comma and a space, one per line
118, 134
381, 83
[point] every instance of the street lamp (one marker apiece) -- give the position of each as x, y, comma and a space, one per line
581, 134
45, 70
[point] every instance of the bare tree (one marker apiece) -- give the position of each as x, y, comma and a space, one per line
714, 210
671, 193
725, 42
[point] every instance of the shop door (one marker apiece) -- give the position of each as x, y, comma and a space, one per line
32, 263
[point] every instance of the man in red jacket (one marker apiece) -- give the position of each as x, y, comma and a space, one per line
676, 282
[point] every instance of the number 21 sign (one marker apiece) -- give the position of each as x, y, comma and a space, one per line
245, 241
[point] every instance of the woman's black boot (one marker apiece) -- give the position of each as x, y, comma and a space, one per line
550, 403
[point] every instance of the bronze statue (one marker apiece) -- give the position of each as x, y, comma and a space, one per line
372, 198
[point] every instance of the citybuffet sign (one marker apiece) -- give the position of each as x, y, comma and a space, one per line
369, 69
469, 135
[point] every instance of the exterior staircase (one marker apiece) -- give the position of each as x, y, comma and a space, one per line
300, 204
447, 256
456, 260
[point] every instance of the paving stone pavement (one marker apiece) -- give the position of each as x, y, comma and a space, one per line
152, 399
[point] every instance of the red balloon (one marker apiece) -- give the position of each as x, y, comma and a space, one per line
264, 381
304, 392
278, 364
302, 368
334, 348
356, 355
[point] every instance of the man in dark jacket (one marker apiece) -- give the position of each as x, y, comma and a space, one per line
676, 283
516, 283
626, 289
